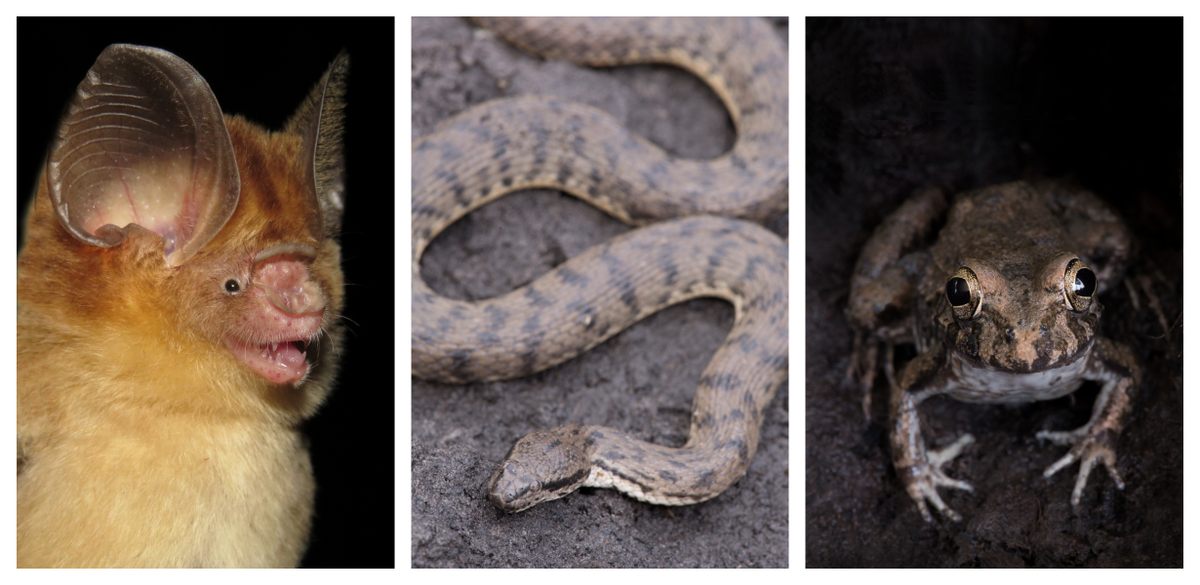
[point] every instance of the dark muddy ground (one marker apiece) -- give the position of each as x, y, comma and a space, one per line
892, 105
642, 380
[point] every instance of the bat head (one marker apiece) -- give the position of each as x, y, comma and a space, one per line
204, 242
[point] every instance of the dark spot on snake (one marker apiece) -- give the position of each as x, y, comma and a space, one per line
738, 163
592, 191
536, 298
752, 266
746, 343
504, 167
498, 316
528, 361
628, 294
449, 152
456, 312
736, 414
667, 475
443, 324
614, 455
676, 463
737, 445
570, 277
705, 480
587, 314
532, 324
721, 381
704, 421
506, 181
460, 363
564, 173
423, 234
426, 211
773, 361
748, 400
487, 338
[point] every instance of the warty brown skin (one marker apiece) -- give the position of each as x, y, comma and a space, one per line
524, 142
1025, 335
142, 440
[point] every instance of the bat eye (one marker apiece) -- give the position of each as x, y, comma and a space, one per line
232, 286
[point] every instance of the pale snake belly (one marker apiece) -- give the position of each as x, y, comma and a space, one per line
511, 144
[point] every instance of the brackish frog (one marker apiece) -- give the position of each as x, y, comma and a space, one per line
1002, 308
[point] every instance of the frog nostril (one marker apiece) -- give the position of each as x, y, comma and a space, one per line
1010, 335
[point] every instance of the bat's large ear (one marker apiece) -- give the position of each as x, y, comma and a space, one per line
320, 120
143, 142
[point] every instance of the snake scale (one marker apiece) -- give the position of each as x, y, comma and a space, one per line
695, 242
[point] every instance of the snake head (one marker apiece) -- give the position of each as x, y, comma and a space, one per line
541, 466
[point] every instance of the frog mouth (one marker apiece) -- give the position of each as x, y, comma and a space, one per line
1039, 364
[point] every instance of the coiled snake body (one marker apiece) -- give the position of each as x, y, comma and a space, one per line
690, 248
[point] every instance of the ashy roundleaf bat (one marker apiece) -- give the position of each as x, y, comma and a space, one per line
179, 293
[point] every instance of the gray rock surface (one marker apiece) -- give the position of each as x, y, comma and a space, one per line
641, 381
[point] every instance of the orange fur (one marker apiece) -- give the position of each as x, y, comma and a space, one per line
142, 440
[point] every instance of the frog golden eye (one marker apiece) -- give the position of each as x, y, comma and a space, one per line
1079, 285
962, 291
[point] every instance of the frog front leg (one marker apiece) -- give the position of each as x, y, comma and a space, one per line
917, 467
1115, 367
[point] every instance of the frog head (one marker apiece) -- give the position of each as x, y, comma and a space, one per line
1027, 316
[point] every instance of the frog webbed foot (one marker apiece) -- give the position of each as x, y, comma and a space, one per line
924, 478
1088, 446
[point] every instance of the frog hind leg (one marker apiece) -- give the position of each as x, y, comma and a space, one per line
881, 286
1116, 368
919, 468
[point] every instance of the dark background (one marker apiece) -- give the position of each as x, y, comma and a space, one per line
896, 104
262, 69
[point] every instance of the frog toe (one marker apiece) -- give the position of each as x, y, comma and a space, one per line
923, 487
1088, 451
925, 490
1101, 454
944, 455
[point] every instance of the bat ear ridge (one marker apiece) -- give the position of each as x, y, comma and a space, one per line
320, 119
143, 142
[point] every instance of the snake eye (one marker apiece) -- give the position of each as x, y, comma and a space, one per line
962, 291
1079, 285
232, 286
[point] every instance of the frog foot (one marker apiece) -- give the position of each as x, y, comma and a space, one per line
1088, 447
923, 480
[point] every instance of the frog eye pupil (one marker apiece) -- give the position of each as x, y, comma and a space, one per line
1085, 282
232, 286
957, 291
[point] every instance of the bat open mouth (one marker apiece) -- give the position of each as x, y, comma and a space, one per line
280, 362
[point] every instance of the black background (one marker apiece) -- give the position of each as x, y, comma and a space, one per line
262, 68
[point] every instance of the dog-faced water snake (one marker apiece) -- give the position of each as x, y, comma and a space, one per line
506, 145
